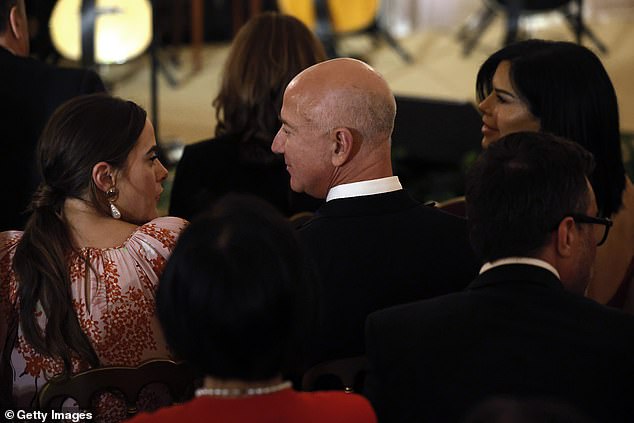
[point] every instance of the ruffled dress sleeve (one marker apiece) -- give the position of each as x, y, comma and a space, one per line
113, 293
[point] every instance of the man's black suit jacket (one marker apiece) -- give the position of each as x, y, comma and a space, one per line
375, 251
514, 331
30, 91
212, 168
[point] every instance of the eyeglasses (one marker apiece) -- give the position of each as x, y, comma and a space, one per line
601, 230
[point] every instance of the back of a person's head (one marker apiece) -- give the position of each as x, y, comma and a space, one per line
567, 88
268, 51
5, 9
228, 297
82, 132
520, 188
345, 94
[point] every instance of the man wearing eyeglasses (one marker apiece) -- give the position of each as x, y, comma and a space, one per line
522, 328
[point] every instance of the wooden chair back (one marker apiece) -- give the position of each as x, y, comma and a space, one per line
129, 381
456, 206
350, 372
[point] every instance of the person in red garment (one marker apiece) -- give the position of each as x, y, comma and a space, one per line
232, 303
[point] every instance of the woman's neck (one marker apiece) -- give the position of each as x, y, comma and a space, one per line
90, 227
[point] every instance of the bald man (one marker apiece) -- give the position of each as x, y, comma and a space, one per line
30, 91
371, 244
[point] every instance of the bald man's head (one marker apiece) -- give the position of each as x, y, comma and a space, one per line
346, 93
337, 119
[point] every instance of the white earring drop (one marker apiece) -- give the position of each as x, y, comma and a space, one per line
111, 195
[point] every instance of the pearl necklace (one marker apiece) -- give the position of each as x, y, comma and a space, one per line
242, 392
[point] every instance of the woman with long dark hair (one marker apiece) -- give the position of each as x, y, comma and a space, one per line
265, 55
81, 278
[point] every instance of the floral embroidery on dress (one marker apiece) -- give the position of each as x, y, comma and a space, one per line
34, 363
113, 294
8, 288
163, 235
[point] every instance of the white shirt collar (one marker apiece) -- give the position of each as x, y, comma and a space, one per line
520, 260
371, 187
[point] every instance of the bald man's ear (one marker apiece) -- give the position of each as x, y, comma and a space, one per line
342, 144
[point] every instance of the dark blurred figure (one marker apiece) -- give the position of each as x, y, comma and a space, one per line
30, 92
231, 303
39, 14
266, 54
534, 410
523, 326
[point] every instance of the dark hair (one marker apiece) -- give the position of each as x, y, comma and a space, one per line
567, 88
82, 132
520, 188
229, 298
5, 10
266, 54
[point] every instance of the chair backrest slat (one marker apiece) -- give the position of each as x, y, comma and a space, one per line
350, 372
129, 381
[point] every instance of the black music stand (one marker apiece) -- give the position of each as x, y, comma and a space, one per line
572, 11
328, 38
88, 15
156, 66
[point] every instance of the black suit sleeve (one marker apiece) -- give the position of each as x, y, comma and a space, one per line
373, 380
390, 384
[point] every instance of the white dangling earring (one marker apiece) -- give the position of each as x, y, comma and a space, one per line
111, 195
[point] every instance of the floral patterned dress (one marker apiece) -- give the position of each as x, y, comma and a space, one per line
113, 292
